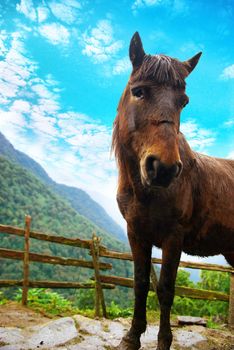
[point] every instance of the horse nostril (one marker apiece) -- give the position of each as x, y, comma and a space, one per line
151, 167
157, 173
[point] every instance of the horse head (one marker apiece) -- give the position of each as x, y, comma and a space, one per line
148, 121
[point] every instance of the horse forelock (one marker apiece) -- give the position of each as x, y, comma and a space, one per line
161, 69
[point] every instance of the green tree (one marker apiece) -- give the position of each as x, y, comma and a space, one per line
213, 280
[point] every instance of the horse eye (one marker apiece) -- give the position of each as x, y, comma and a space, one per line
138, 92
183, 101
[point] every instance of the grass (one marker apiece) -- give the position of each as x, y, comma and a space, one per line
3, 300
53, 304
47, 302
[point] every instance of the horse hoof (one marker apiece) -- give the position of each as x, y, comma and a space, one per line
164, 341
159, 347
163, 346
129, 343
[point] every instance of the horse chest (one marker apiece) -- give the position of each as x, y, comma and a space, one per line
152, 221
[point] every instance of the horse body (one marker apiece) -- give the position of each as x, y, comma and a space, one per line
171, 197
199, 205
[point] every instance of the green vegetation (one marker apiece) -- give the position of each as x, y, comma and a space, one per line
52, 303
210, 280
22, 193
114, 310
3, 299
78, 199
48, 302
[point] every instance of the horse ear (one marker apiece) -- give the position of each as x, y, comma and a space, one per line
192, 62
136, 51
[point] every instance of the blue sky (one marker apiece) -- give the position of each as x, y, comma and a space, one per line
64, 65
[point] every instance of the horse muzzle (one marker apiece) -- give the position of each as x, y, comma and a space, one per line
158, 174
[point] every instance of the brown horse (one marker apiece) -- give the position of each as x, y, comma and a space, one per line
171, 197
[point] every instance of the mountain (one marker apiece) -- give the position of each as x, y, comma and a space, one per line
22, 193
79, 200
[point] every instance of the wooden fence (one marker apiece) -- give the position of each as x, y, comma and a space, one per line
100, 281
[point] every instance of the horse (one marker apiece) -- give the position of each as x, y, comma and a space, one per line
170, 196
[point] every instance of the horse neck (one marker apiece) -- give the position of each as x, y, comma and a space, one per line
188, 157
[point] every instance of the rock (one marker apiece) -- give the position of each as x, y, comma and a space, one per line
38, 337
9, 336
189, 320
53, 333
98, 333
82, 333
188, 338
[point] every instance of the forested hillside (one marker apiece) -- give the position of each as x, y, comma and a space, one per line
22, 193
78, 199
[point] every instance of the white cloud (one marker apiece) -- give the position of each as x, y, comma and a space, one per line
99, 42
198, 138
26, 7
229, 123
145, 3
42, 13
191, 47
20, 106
15, 118
122, 66
66, 11
71, 146
3, 37
55, 33
176, 6
42, 91
231, 155
228, 72
180, 7
15, 69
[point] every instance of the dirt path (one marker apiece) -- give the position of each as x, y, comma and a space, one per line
14, 314
24, 329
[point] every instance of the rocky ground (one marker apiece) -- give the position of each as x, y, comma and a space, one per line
24, 329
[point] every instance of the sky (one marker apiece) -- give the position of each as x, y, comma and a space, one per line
64, 65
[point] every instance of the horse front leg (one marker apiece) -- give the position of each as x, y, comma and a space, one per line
171, 252
142, 263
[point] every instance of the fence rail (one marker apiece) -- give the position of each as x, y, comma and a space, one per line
49, 259
104, 252
101, 282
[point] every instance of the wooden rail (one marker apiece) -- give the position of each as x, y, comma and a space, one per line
53, 284
49, 259
75, 242
100, 281
180, 291
104, 252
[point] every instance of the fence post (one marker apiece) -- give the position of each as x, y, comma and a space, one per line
154, 278
231, 301
26, 260
99, 296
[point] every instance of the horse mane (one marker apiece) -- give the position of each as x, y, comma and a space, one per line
116, 146
161, 69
